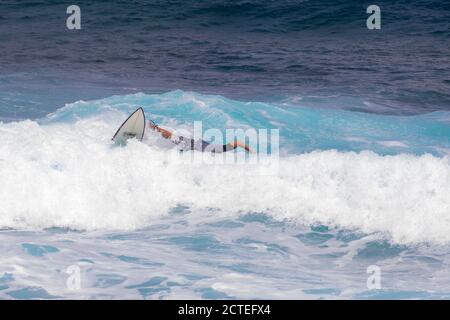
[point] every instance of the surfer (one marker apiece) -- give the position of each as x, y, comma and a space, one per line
187, 144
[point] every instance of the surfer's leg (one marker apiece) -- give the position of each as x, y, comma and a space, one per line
204, 146
233, 145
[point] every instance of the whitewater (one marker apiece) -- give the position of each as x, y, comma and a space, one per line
349, 190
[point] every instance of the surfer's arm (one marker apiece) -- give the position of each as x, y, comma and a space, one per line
165, 133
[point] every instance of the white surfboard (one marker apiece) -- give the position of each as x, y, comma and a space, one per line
133, 127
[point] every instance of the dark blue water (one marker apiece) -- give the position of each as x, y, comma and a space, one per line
316, 52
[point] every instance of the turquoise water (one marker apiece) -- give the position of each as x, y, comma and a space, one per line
302, 129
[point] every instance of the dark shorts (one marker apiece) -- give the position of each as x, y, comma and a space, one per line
188, 144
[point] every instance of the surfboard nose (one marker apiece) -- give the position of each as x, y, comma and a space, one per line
132, 127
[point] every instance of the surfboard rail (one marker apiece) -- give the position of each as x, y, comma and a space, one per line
132, 127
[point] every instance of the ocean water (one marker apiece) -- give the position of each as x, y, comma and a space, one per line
361, 179
140, 222
316, 52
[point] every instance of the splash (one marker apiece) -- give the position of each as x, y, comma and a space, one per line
64, 171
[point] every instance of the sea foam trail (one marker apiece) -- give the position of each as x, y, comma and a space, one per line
70, 175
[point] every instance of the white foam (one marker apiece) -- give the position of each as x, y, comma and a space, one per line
393, 144
70, 175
